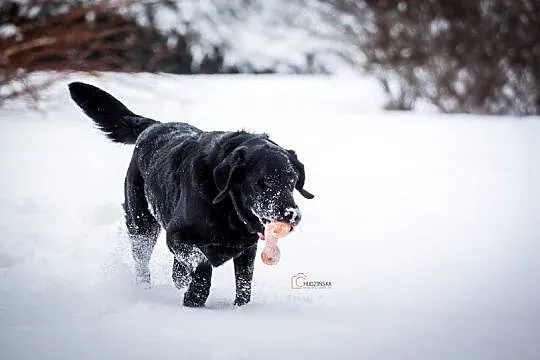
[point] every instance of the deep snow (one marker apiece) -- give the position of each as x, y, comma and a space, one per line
426, 225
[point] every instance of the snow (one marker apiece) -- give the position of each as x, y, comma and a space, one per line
425, 224
284, 36
8, 30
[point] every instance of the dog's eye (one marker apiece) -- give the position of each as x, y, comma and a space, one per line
263, 184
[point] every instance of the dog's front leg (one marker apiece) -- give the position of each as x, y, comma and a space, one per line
243, 272
190, 267
199, 288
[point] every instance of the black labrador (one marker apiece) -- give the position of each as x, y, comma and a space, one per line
212, 192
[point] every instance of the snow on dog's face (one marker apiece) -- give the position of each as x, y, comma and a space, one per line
269, 195
261, 182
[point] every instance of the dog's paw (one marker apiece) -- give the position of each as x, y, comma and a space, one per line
143, 281
192, 300
241, 301
142, 277
144, 284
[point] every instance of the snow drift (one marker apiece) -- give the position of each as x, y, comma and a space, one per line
425, 225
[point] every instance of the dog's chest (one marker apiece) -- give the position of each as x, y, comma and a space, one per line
224, 245
219, 254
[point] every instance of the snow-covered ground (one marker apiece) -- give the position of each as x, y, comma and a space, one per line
426, 225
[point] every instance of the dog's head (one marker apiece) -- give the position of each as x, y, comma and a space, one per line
260, 181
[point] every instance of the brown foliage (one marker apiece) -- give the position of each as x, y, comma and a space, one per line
462, 56
73, 36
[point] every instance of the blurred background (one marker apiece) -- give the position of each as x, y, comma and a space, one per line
459, 56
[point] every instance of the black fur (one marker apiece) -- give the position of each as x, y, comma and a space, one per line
110, 115
212, 192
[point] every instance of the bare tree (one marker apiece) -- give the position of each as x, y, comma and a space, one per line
63, 36
462, 56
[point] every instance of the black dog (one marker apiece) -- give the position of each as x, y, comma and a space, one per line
212, 192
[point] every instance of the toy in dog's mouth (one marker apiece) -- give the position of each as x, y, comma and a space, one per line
272, 232
277, 228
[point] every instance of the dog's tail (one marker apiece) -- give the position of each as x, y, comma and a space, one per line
110, 115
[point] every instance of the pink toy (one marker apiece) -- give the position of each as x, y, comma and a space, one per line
272, 232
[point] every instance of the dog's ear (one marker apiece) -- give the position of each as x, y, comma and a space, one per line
226, 171
299, 168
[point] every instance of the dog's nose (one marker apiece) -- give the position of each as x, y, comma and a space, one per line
292, 215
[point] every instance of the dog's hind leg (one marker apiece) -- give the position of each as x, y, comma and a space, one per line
142, 227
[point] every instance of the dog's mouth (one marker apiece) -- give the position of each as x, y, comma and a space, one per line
265, 221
